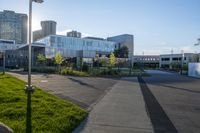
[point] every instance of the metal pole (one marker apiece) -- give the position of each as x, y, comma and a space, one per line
29, 87
30, 33
4, 62
182, 61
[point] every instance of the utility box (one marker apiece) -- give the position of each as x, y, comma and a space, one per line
194, 70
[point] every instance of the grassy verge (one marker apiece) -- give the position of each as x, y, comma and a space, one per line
50, 114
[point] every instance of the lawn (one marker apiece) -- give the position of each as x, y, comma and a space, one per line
50, 114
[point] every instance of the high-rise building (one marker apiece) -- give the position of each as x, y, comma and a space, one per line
13, 26
37, 35
74, 34
48, 28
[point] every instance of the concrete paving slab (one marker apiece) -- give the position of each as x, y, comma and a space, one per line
122, 109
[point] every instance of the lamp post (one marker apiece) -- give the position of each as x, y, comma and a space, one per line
197, 44
4, 62
29, 88
3, 53
182, 60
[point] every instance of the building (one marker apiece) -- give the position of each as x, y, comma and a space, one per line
37, 35
70, 47
171, 61
77, 49
124, 40
48, 28
74, 34
16, 55
13, 26
147, 61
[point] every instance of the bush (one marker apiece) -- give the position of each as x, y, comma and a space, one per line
72, 72
43, 70
85, 67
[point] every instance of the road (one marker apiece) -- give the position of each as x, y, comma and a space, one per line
179, 97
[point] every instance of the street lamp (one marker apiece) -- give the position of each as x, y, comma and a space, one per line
197, 44
3, 53
29, 88
182, 61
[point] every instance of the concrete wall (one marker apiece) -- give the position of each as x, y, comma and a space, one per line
194, 70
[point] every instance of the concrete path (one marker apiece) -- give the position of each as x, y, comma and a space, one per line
122, 110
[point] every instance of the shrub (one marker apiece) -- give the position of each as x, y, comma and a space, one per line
85, 67
72, 72
43, 70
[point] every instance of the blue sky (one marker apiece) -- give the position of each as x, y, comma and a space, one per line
158, 25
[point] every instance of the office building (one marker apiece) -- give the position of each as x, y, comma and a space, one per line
124, 40
74, 34
147, 61
175, 60
76, 47
37, 35
13, 26
48, 28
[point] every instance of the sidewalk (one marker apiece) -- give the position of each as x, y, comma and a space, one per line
122, 110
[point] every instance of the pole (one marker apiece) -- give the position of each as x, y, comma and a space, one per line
29, 87
182, 61
30, 32
4, 62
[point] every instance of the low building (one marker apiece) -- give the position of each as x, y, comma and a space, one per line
170, 61
16, 55
149, 61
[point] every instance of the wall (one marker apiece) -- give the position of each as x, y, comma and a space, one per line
194, 70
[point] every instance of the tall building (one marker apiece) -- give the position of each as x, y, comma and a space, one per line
74, 34
13, 26
48, 28
37, 35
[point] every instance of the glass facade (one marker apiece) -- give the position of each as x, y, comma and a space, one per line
75, 47
13, 26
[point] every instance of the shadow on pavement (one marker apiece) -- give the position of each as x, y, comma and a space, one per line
160, 121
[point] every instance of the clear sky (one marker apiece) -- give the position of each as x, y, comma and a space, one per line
158, 25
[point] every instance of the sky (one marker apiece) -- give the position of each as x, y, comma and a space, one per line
158, 26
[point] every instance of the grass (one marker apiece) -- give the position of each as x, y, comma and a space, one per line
50, 114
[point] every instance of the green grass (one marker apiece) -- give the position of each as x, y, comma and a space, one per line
50, 114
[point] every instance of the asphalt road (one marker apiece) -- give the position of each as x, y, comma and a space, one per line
83, 91
179, 97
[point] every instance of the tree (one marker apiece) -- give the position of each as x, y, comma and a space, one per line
121, 52
41, 59
112, 59
103, 61
58, 59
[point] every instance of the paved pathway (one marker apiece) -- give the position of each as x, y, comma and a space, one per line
122, 110
83, 91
